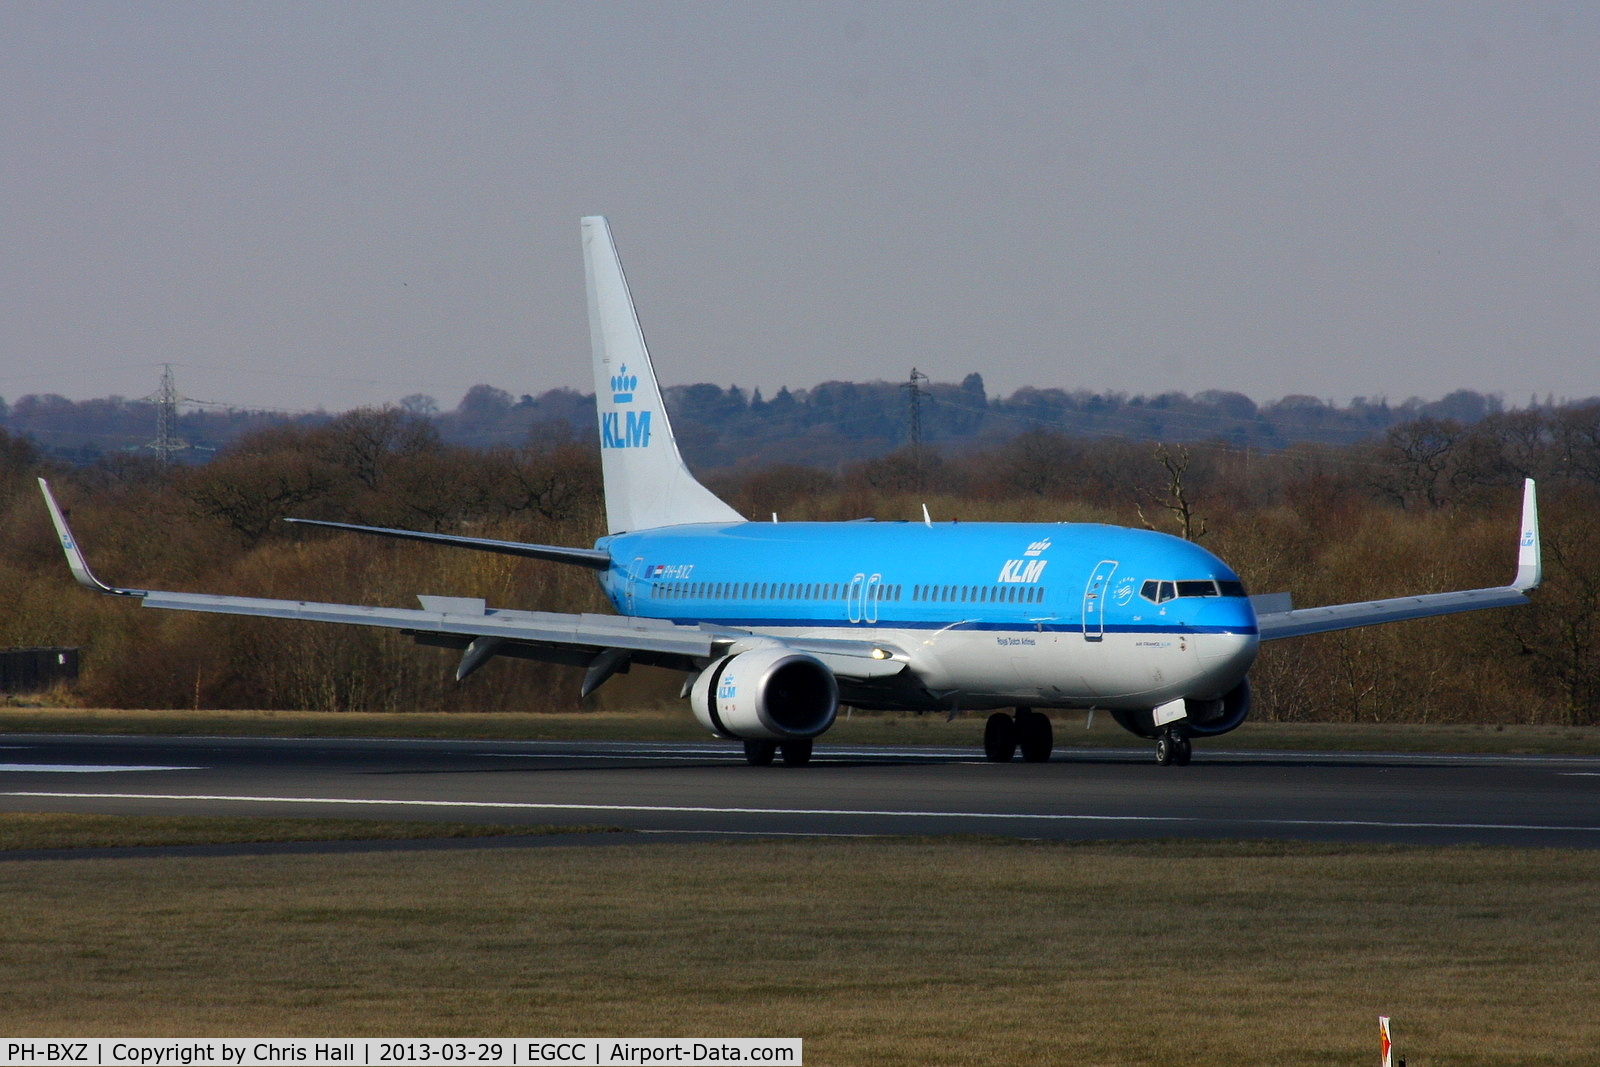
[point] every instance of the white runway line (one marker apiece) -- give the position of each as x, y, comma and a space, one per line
86, 768
683, 809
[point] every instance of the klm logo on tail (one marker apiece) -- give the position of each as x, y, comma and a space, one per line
632, 433
615, 432
623, 385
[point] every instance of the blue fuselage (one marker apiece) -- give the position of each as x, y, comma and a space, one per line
992, 613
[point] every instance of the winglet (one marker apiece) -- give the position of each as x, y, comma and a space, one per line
1529, 569
75, 560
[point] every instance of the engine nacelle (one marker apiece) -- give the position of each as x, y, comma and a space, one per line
1203, 718
769, 694
1208, 718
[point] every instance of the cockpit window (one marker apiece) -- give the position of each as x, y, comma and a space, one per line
1158, 592
1205, 588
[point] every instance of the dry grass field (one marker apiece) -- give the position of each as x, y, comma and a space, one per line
876, 952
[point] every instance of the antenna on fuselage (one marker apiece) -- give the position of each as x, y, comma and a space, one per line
927, 520
774, 516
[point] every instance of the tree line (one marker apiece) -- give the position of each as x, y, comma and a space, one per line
828, 424
1429, 505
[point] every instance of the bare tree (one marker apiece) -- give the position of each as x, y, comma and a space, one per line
1175, 497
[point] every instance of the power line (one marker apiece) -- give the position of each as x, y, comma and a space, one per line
914, 394
166, 398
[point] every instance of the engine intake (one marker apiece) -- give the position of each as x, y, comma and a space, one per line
1202, 718
769, 694
1208, 718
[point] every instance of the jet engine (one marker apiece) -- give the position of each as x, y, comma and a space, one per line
1208, 718
769, 694
1203, 718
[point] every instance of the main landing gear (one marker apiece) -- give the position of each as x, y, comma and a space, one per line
1029, 731
1173, 748
761, 753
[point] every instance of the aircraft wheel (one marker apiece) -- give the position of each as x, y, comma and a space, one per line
1166, 749
796, 753
1035, 737
760, 753
1184, 753
1000, 738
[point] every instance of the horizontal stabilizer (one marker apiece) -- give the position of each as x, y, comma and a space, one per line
1272, 603
592, 558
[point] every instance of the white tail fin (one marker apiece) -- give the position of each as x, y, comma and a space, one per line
647, 484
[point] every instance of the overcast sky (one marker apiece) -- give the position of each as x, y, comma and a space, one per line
338, 204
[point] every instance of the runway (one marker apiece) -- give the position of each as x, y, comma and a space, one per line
700, 790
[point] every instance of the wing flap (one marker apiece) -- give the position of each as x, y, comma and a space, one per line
543, 627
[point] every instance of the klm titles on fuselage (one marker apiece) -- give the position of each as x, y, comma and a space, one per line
1023, 570
1029, 569
630, 429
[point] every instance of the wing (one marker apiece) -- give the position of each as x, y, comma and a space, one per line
1277, 618
605, 644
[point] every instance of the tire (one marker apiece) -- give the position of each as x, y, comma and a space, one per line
796, 753
1165, 750
1035, 737
1000, 738
760, 753
1184, 753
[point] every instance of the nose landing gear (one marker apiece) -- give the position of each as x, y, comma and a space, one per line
1173, 748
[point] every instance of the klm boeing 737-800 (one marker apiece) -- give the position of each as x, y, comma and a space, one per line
775, 625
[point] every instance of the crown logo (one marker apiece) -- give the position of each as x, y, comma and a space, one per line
622, 386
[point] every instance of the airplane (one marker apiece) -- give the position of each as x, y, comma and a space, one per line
775, 625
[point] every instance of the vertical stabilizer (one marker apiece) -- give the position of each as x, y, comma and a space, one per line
647, 484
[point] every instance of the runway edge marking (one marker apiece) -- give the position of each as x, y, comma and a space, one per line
509, 805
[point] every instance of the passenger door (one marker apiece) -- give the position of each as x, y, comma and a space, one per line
1094, 600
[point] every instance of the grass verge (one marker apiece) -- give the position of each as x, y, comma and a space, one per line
882, 952
677, 724
21, 831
